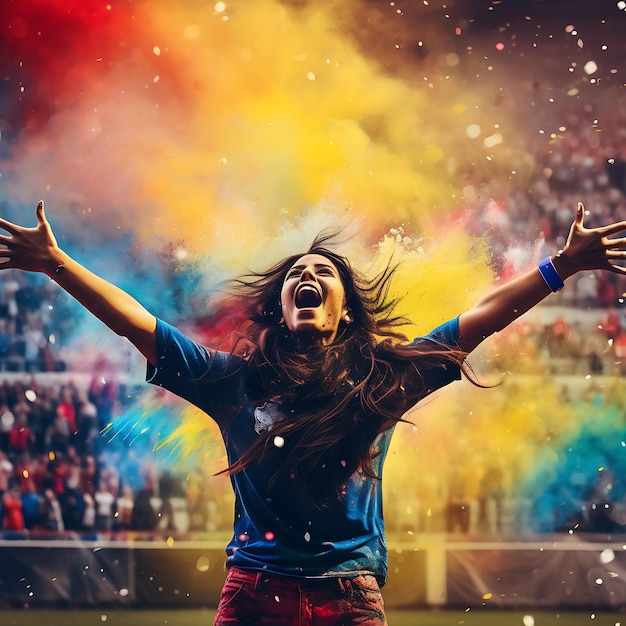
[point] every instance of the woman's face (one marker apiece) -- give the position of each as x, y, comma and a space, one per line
313, 298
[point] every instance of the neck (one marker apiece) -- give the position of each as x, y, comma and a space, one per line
303, 342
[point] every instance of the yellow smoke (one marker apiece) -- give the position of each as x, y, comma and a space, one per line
241, 128
288, 114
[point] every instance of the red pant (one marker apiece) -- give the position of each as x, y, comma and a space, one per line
258, 598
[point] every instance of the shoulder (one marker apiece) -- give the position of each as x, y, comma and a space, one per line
179, 353
446, 333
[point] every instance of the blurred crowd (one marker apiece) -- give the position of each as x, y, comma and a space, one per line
29, 326
56, 474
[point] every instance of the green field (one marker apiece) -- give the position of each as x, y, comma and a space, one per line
395, 618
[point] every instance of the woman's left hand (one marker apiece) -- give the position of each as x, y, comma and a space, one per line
591, 248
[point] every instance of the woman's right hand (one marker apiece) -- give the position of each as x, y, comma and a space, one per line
31, 249
36, 250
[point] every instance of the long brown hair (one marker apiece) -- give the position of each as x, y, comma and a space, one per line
336, 398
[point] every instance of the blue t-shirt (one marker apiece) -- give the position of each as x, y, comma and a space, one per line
274, 530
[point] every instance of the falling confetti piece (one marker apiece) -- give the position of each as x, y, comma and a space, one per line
607, 556
203, 564
473, 131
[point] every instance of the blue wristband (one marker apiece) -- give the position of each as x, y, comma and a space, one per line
550, 275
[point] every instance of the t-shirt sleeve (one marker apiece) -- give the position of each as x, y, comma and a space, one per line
447, 333
206, 378
441, 371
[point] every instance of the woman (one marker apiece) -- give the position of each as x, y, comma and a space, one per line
307, 405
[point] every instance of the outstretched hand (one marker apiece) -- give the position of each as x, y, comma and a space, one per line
585, 249
28, 248
592, 248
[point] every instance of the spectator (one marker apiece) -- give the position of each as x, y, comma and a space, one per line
105, 501
58, 435
143, 516
89, 512
109, 474
6, 472
197, 508
166, 515
491, 498
6, 341
610, 325
9, 303
56, 473
52, 515
87, 424
619, 348
24, 470
72, 509
7, 419
125, 505
13, 518
458, 509
67, 410
559, 338
88, 475
21, 438
34, 346
73, 473
39, 472
31, 506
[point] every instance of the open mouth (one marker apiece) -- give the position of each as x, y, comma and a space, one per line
307, 297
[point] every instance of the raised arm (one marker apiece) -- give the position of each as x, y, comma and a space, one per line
36, 250
586, 249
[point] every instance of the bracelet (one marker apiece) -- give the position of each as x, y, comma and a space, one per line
59, 269
550, 275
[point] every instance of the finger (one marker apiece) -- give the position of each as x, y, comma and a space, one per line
8, 226
616, 269
612, 229
41, 213
580, 214
615, 243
